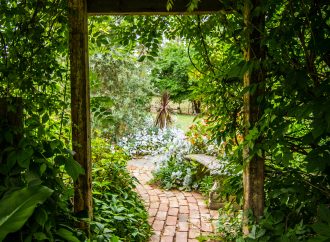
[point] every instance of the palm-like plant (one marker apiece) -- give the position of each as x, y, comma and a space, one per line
164, 117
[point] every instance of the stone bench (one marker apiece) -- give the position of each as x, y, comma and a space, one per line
212, 164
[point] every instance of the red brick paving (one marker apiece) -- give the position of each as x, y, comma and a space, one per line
175, 216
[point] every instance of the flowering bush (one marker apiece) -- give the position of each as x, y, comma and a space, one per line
172, 170
153, 141
200, 138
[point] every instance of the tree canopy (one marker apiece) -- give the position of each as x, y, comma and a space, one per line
171, 69
287, 79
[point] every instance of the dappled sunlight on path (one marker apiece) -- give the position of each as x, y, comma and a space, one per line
174, 215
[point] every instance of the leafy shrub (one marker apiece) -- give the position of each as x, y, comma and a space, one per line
176, 174
322, 225
119, 214
152, 141
199, 136
229, 225
206, 184
120, 90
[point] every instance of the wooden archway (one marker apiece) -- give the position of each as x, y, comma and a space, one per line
79, 10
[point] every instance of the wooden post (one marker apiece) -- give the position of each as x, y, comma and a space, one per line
80, 106
253, 173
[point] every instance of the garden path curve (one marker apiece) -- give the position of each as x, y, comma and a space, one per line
174, 215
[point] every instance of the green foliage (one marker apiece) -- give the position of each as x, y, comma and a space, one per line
170, 71
322, 226
175, 175
35, 159
18, 206
119, 214
206, 184
120, 94
229, 225
182, 175
199, 136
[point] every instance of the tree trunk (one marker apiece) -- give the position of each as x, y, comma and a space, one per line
253, 173
11, 122
196, 107
11, 113
80, 107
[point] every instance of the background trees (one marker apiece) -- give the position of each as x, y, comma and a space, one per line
171, 71
121, 89
120, 94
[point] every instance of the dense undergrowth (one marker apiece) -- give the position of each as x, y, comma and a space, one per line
36, 163
37, 168
119, 214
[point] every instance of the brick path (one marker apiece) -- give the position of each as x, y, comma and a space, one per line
174, 215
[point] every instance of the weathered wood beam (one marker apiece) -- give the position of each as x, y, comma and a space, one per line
254, 165
80, 106
149, 7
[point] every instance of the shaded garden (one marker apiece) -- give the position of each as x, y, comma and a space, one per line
256, 73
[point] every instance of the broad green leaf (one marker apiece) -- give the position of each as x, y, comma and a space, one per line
73, 168
322, 229
120, 218
142, 58
9, 137
67, 235
18, 206
40, 236
45, 118
41, 217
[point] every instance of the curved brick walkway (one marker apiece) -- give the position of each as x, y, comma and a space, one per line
174, 215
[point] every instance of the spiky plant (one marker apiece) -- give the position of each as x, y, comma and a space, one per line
164, 116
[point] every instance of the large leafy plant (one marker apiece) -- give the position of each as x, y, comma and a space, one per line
119, 214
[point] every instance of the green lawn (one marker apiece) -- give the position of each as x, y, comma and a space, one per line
181, 121
184, 121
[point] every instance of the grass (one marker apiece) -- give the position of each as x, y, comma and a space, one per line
185, 105
184, 121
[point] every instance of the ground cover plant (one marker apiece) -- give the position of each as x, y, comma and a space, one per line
171, 145
152, 140
119, 214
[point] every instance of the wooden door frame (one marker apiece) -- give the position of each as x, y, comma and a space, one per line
79, 10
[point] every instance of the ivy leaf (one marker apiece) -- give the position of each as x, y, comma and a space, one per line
45, 118
24, 157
